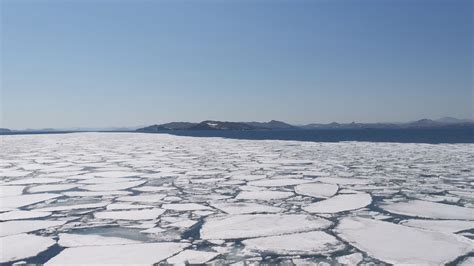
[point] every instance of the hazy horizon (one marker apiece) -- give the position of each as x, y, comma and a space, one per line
87, 64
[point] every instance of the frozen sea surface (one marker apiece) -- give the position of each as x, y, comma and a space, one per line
123, 198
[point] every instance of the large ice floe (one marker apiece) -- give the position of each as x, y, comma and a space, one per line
398, 244
246, 225
143, 199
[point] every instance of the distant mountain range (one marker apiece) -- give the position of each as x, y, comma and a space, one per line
271, 125
278, 125
218, 125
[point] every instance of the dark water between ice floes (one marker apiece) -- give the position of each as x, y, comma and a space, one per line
407, 135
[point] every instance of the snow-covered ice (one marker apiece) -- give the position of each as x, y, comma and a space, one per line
340, 203
79, 240
264, 195
427, 209
245, 207
136, 254
192, 257
246, 225
448, 226
24, 226
317, 190
24, 200
130, 215
398, 244
185, 207
22, 246
308, 243
50, 188
6, 191
123, 198
20, 215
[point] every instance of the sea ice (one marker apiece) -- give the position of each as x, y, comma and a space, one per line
467, 262
277, 182
25, 226
116, 174
264, 195
182, 224
427, 209
185, 207
340, 203
317, 190
74, 207
192, 257
255, 225
307, 243
49, 188
79, 240
151, 198
25, 200
35, 180
343, 180
113, 186
245, 207
126, 206
7, 191
107, 180
20, 214
13, 173
398, 244
130, 254
448, 226
152, 188
351, 259
22, 246
154, 230
130, 215
95, 193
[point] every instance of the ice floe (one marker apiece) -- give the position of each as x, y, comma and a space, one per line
25, 200
19, 215
340, 203
317, 190
342, 180
22, 246
398, 244
245, 207
130, 254
448, 226
427, 209
112, 186
25, 226
113, 174
7, 191
277, 182
185, 207
351, 259
192, 257
50, 188
130, 215
307, 243
246, 226
79, 240
264, 195
74, 207
152, 198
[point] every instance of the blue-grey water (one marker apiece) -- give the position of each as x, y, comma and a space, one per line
407, 135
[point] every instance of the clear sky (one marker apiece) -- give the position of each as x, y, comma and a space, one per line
103, 63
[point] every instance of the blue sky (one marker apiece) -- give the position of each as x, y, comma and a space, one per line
125, 63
